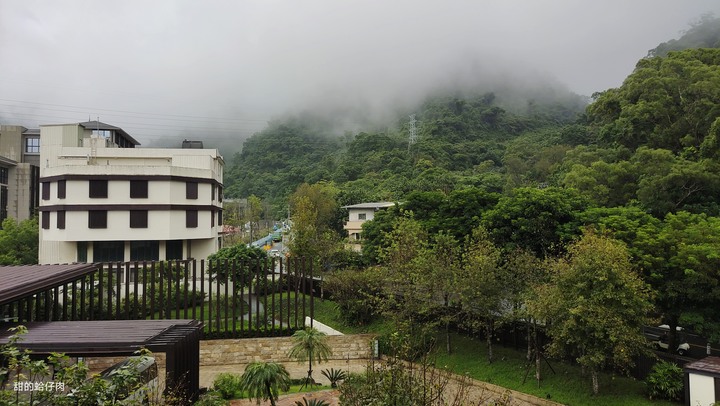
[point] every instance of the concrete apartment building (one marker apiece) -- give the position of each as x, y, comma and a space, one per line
102, 199
19, 172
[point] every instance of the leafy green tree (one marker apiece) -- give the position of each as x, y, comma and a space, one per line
481, 285
264, 380
243, 261
533, 219
667, 102
310, 344
410, 294
19, 242
595, 306
681, 263
315, 215
669, 183
253, 211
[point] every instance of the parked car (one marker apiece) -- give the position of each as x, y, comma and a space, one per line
666, 327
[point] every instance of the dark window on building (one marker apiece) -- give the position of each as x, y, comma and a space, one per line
45, 220
191, 190
212, 192
61, 219
139, 189
61, 189
82, 251
4, 175
362, 216
46, 190
138, 218
191, 218
98, 188
220, 219
220, 196
97, 219
32, 145
173, 249
144, 250
3, 202
212, 218
108, 251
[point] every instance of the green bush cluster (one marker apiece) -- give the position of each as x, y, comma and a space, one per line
665, 381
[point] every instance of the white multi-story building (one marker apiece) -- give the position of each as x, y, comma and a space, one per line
102, 199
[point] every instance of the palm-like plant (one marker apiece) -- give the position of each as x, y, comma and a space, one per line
310, 344
264, 380
334, 375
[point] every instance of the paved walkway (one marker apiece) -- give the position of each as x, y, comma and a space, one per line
478, 392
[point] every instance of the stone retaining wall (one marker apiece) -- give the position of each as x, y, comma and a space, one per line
247, 350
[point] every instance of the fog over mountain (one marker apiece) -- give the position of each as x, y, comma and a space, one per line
220, 70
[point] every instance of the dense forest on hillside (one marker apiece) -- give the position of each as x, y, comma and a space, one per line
639, 163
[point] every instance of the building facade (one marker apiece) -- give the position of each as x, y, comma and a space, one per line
19, 172
357, 215
103, 200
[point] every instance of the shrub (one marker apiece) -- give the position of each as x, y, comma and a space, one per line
211, 399
357, 295
665, 381
227, 385
265, 286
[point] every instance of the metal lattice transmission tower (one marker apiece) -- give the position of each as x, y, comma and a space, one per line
413, 131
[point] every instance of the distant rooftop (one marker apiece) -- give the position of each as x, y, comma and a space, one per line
707, 365
372, 205
98, 125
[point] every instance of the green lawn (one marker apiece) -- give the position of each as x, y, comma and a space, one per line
566, 385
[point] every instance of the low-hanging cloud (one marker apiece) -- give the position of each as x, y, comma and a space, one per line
167, 70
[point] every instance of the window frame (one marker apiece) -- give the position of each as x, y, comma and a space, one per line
32, 147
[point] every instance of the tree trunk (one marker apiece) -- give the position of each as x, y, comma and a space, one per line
529, 342
595, 382
448, 347
488, 336
537, 366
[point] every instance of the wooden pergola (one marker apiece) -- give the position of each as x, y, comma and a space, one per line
179, 339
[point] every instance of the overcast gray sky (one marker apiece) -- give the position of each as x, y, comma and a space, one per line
165, 70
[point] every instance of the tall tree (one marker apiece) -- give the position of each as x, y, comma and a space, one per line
314, 214
595, 306
481, 285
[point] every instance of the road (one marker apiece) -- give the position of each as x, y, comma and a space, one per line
698, 344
